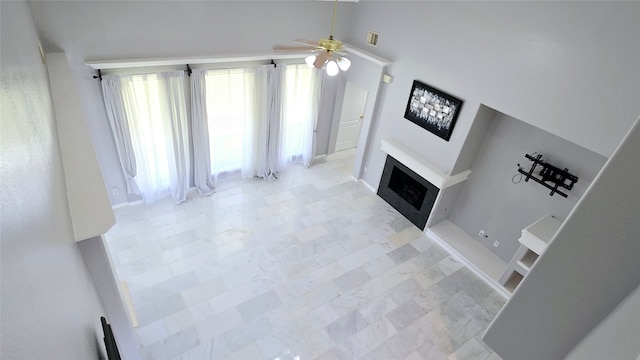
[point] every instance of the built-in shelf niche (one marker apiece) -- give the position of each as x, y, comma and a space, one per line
491, 201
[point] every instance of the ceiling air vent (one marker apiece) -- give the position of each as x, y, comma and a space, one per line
372, 38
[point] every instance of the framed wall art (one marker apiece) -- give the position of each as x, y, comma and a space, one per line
432, 109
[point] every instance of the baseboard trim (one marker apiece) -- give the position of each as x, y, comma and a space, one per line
366, 184
124, 287
373, 190
126, 204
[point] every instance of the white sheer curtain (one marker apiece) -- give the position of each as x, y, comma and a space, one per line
251, 121
202, 178
114, 105
272, 125
300, 94
173, 91
237, 113
155, 111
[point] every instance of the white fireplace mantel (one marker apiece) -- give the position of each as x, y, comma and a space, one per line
422, 167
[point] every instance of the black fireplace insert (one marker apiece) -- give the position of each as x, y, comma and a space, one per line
409, 193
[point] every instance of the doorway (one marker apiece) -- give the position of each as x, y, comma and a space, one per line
351, 117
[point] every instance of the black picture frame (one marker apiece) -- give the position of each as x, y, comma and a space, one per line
432, 109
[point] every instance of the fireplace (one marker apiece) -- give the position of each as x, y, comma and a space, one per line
409, 193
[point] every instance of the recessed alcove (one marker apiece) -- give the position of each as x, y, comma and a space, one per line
495, 199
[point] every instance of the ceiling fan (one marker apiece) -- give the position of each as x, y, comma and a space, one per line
325, 50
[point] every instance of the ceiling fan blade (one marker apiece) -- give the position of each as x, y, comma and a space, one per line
307, 42
321, 59
294, 48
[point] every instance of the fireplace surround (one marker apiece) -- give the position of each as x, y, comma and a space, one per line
409, 193
416, 187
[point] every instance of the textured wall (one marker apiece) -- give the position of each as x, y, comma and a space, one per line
50, 307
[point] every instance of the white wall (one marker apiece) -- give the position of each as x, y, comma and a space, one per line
616, 337
491, 201
98, 30
50, 307
569, 68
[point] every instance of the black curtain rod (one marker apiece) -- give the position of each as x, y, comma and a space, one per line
188, 70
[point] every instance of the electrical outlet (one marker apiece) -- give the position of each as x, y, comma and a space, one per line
496, 243
115, 190
482, 233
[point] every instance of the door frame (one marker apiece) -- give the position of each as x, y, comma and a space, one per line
366, 72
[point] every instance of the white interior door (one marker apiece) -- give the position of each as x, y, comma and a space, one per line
351, 117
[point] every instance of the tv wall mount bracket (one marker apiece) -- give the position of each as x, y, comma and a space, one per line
549, 176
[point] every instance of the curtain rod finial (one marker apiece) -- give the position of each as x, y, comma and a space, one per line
99, 76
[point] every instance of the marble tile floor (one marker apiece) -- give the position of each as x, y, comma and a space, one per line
311, 266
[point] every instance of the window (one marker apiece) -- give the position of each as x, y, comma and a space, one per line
236, 112
252, 121
300, 93
148, 117
235, 109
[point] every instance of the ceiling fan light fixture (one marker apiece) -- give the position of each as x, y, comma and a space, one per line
324, 51
310, 60
344, 64
332, 68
